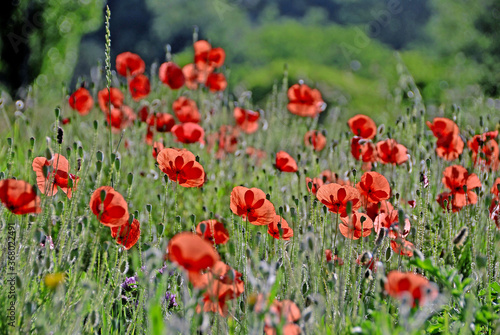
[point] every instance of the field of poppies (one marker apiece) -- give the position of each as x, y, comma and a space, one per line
156, 200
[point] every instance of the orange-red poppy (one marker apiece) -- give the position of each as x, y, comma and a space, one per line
216, 82
193, 76
282, 311
129, 64
352, 227
390, 221
373, 187
214, 231
495, 189
139, 87
449, 144
485, 151
315, 139
56, 171
163, 122
402, 247
180, 166
305, 101
188, 132
391, 152
127, 234
171, 75
363, 150
120, 118
191, 252
252, 205
401, 284
225, 285
186, 110
113, 211
330, 257
373, 209
81, 101
313, 184
206, 57
461, 185
143, 113
19, 197
285, 162
285, 232
336, 198
157, 147
362, 126
246, 119
116, 100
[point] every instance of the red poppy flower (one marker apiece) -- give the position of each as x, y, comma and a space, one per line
253, 205
171, 75
157, 147
400, 284
350, 227
225, 285
193, 76
373, 187
180, 166
391, 152
214, 231
373, 209
315, 139
139, 87
362, 126
120, 118
391, 222
19, 197
226, 139
314, 184
115, 101
449, 143
495, 212
57, 171
273, 230
485, 149
305, 101
127, 234
402, 247
495, 188
330, 257
189, 132
163, 122
143, 113
457, 177
81, 101
191, 252
282, 311
364, 150
186, 110
206, 57
216, 82
336, 197
66, 121
247, 119
285, 162
129, 64
113, 211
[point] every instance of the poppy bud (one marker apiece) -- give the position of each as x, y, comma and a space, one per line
354, 172
380, 237
193, 218
98, 166
99, 155
149, 208
68, 152
96, 124
368, 275
70, 183
57, 111
78, 164
268, 196
418, 193
113, 156
32, 142
428, 163
465, 188
203, 228
178, 219
117, 164
130, 219
280, 210
60, 134
59, 207
102, 195
130, 178
45, 171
